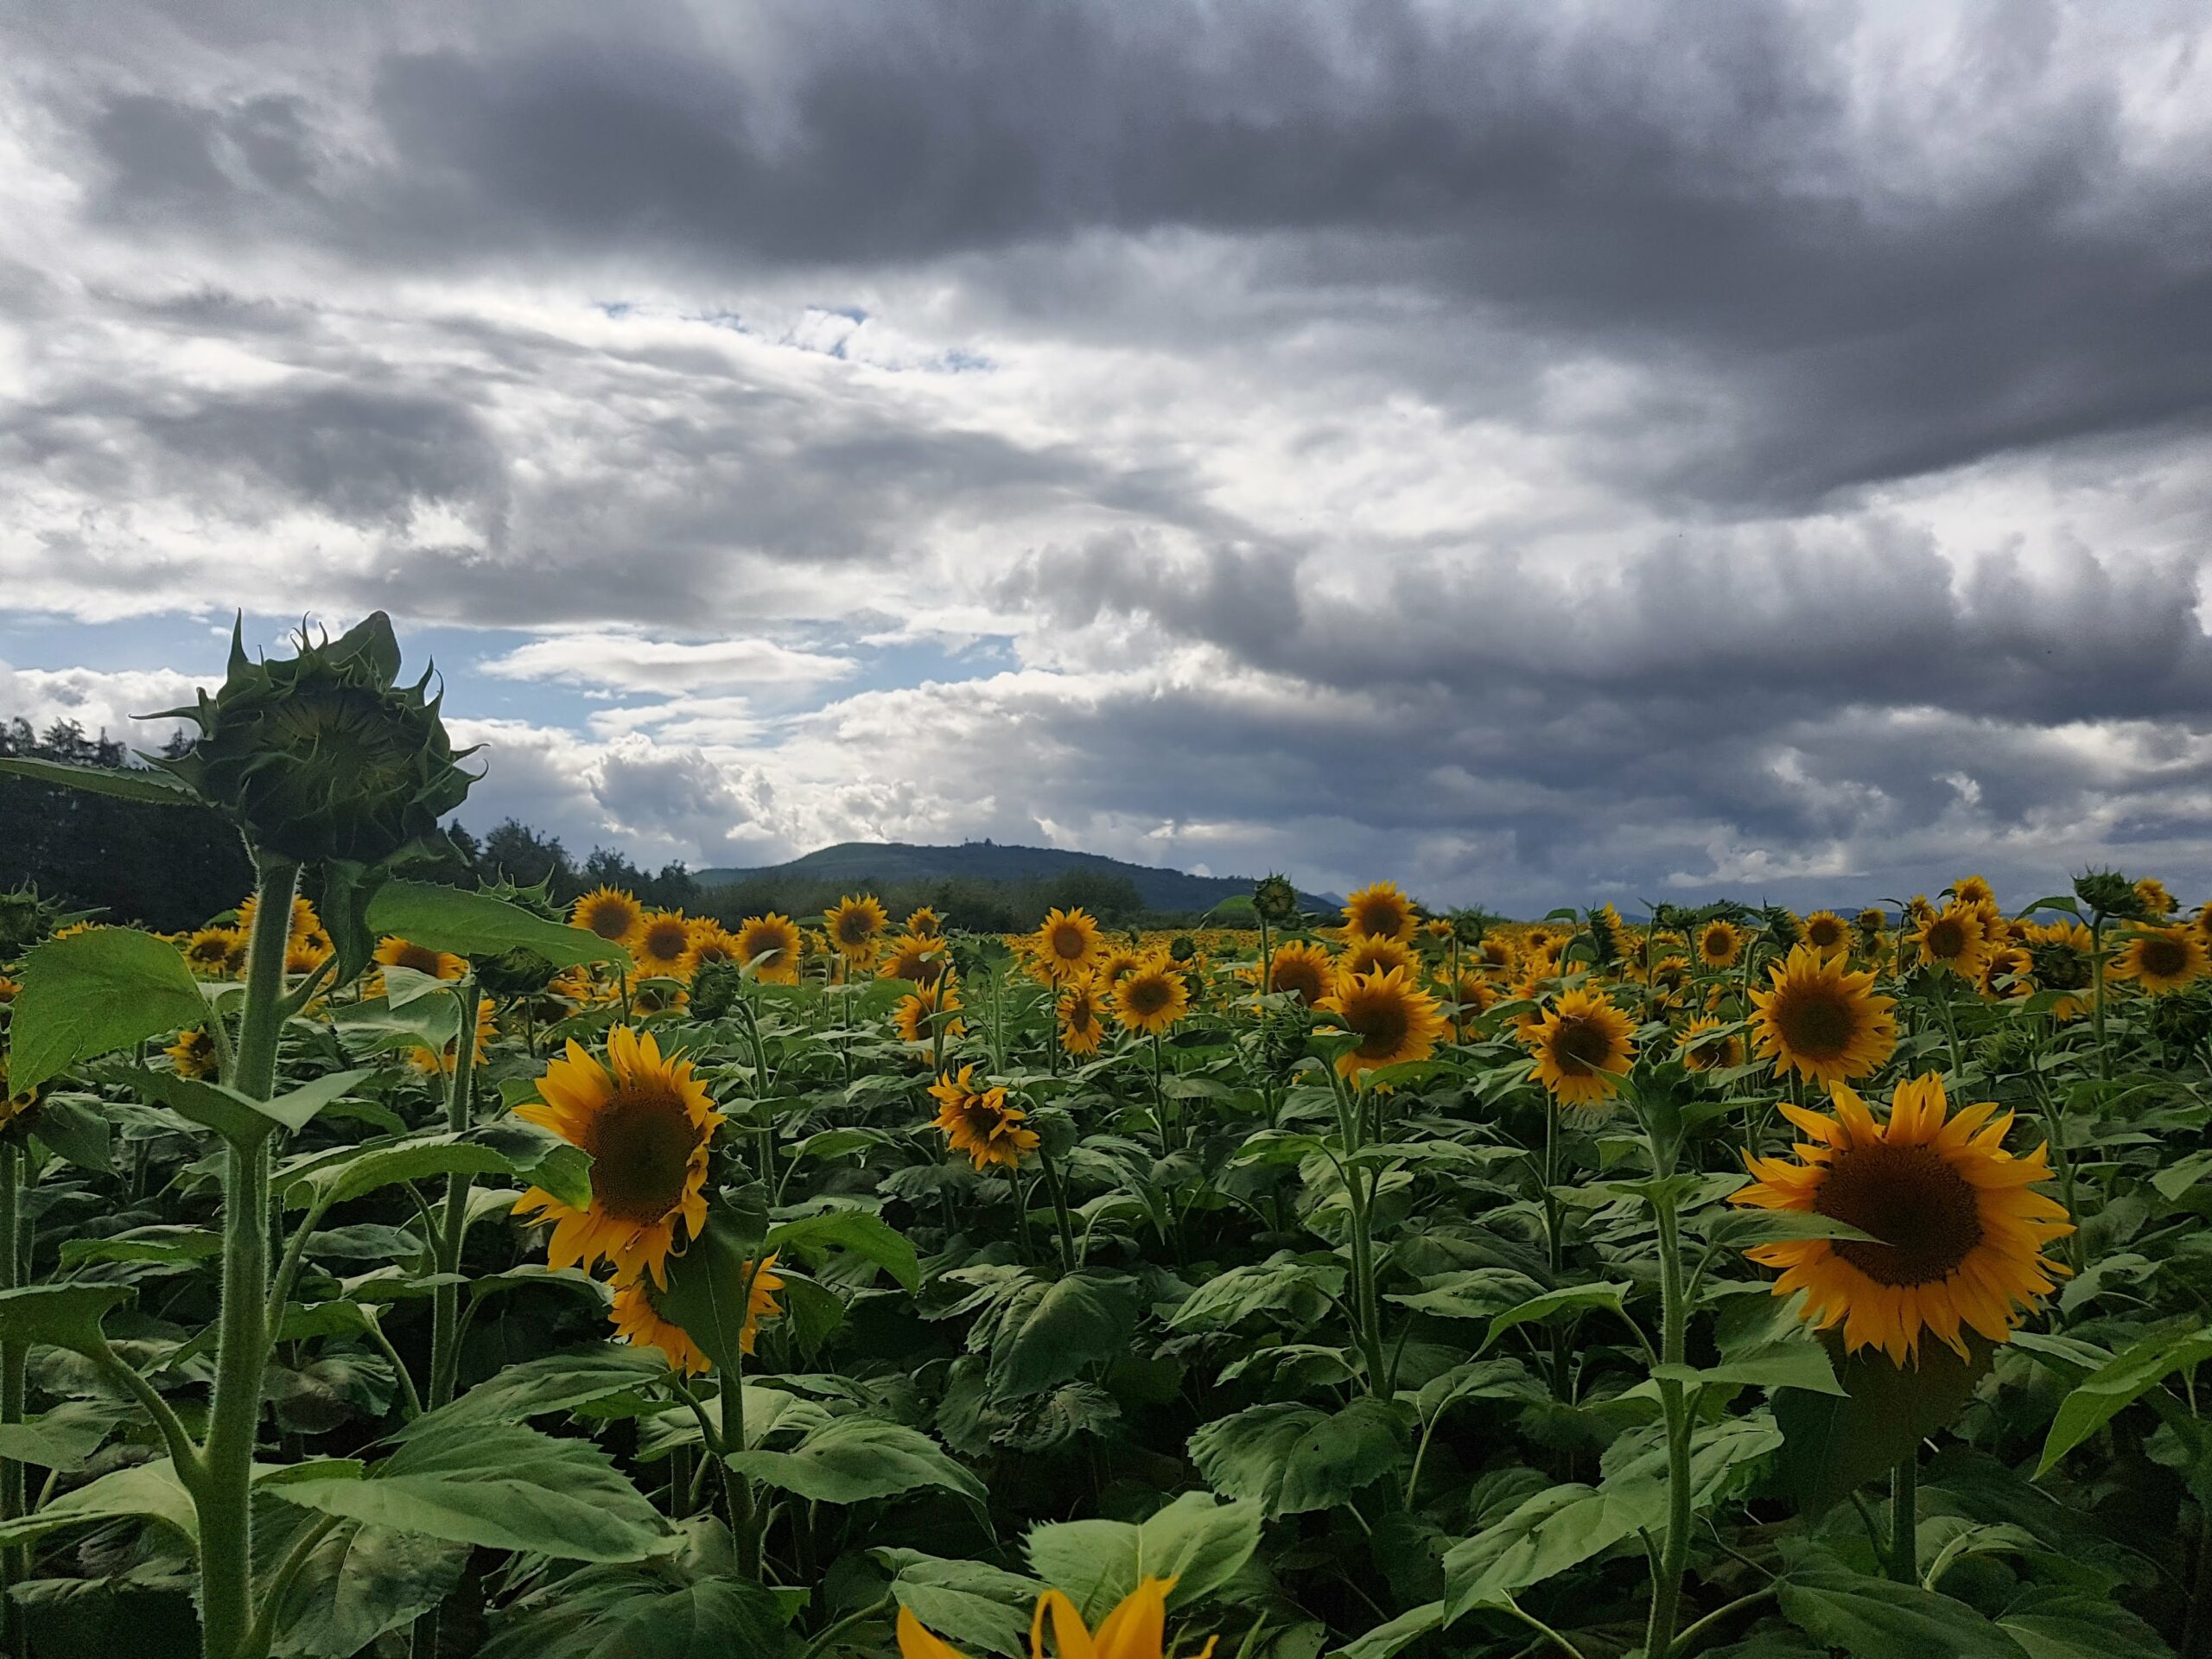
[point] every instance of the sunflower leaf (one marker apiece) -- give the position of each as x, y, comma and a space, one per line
93, 993
2105, 1392
478, 924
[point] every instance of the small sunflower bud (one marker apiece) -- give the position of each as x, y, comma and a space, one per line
1276, 900
714, 988
2109, 893
324, 757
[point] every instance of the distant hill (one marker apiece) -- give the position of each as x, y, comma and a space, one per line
860, 863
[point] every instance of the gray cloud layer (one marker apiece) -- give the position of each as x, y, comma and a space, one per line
1537, 451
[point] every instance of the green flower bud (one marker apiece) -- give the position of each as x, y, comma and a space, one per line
714, 988
2108, 893
1276, 900
325, 757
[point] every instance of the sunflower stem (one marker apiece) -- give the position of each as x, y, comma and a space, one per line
1674, 1555
739, 1485
1904, 1517
15, 1561
2097, 991
453, 1229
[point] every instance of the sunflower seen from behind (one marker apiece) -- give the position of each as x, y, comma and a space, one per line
1820, 1019
1394, 1019
1582, 1037
1151, 996
1379, 911
2161, 959
1961, 1229
646, 1122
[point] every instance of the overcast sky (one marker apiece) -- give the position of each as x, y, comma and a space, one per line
1542, 453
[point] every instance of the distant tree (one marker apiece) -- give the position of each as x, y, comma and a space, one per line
514, 850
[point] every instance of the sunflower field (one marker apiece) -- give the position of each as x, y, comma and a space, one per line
395, 1267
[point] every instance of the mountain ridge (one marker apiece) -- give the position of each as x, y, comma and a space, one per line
886, 861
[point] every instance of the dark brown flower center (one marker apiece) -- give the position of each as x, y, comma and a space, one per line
1149, 996
666, 940
855, 927
1717, 943
1824, 931
609, 919
1381, 1022
420, 959
1298, 974
1815, 1021
1581, 1044
1069, 943
641, 1144
2163, 957
1924, 1211
1947, 937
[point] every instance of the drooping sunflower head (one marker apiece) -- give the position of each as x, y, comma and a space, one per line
1956, 1229
1708, 1044
325, 756
612, 914
770, 947
1151, 996
1393, 1017
2161, 959
1379, 911
1371, 955
854, 923
1303, 968
210, 948
1576, 1043
192, 1054
664, 940
1066, 944
981, 1122
1719, 943
646, 1122
2110, 893
1818, 1018
1081, 1017
642, 1324
1825, 931
396, 952
1872, 922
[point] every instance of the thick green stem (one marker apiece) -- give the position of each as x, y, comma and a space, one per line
1904, 1517
223, 1493
15, 1561
739, 1484
1675, 1548
1057, 1188
2097, 990
452, 1230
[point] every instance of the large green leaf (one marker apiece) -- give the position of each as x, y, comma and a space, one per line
856, 1230
1198, 1541
501, 1486
66, 1437
1832, 1444
144, 1491
1291, 1458
2050, 1622
68, 1316
561, 1382
973, 1606
2131, 1373
1559, 1527
1052, 1331
139, 783
478, 924
93, 993
508, 1146
1301, 1292
708, 1287
1572, 1298
1385, 1640
233, 1115
1878, 1619
852, 1458
362, 1582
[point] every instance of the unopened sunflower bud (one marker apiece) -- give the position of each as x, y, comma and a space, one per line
2109, 893
1276, 900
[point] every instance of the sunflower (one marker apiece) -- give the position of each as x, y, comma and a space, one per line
1438, 928
2151, 893
1825, 931
1820, 1019
924, 924
1066, 944
1137, 1628
1473, 995
916, 957
1670, 976
853, 925
1719, 944
1394, 1019
710, 942
1952, 939
1974, 890
1961, 1234
1379, 911
2202, 920
1872, 922
1303, 968
1371, 954
395, 952
661, 944
1116, 961
1081, 1020
209, 949
1702, 1053
304, 920
641, 1325
192, 1054
769, 946
9, 990
647, 1122
612, 914
1576, 1044
918, 1013
2161, 959
1496, 953
431, 1065
302, 955
2008, 970
979, 1123
1151, 996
